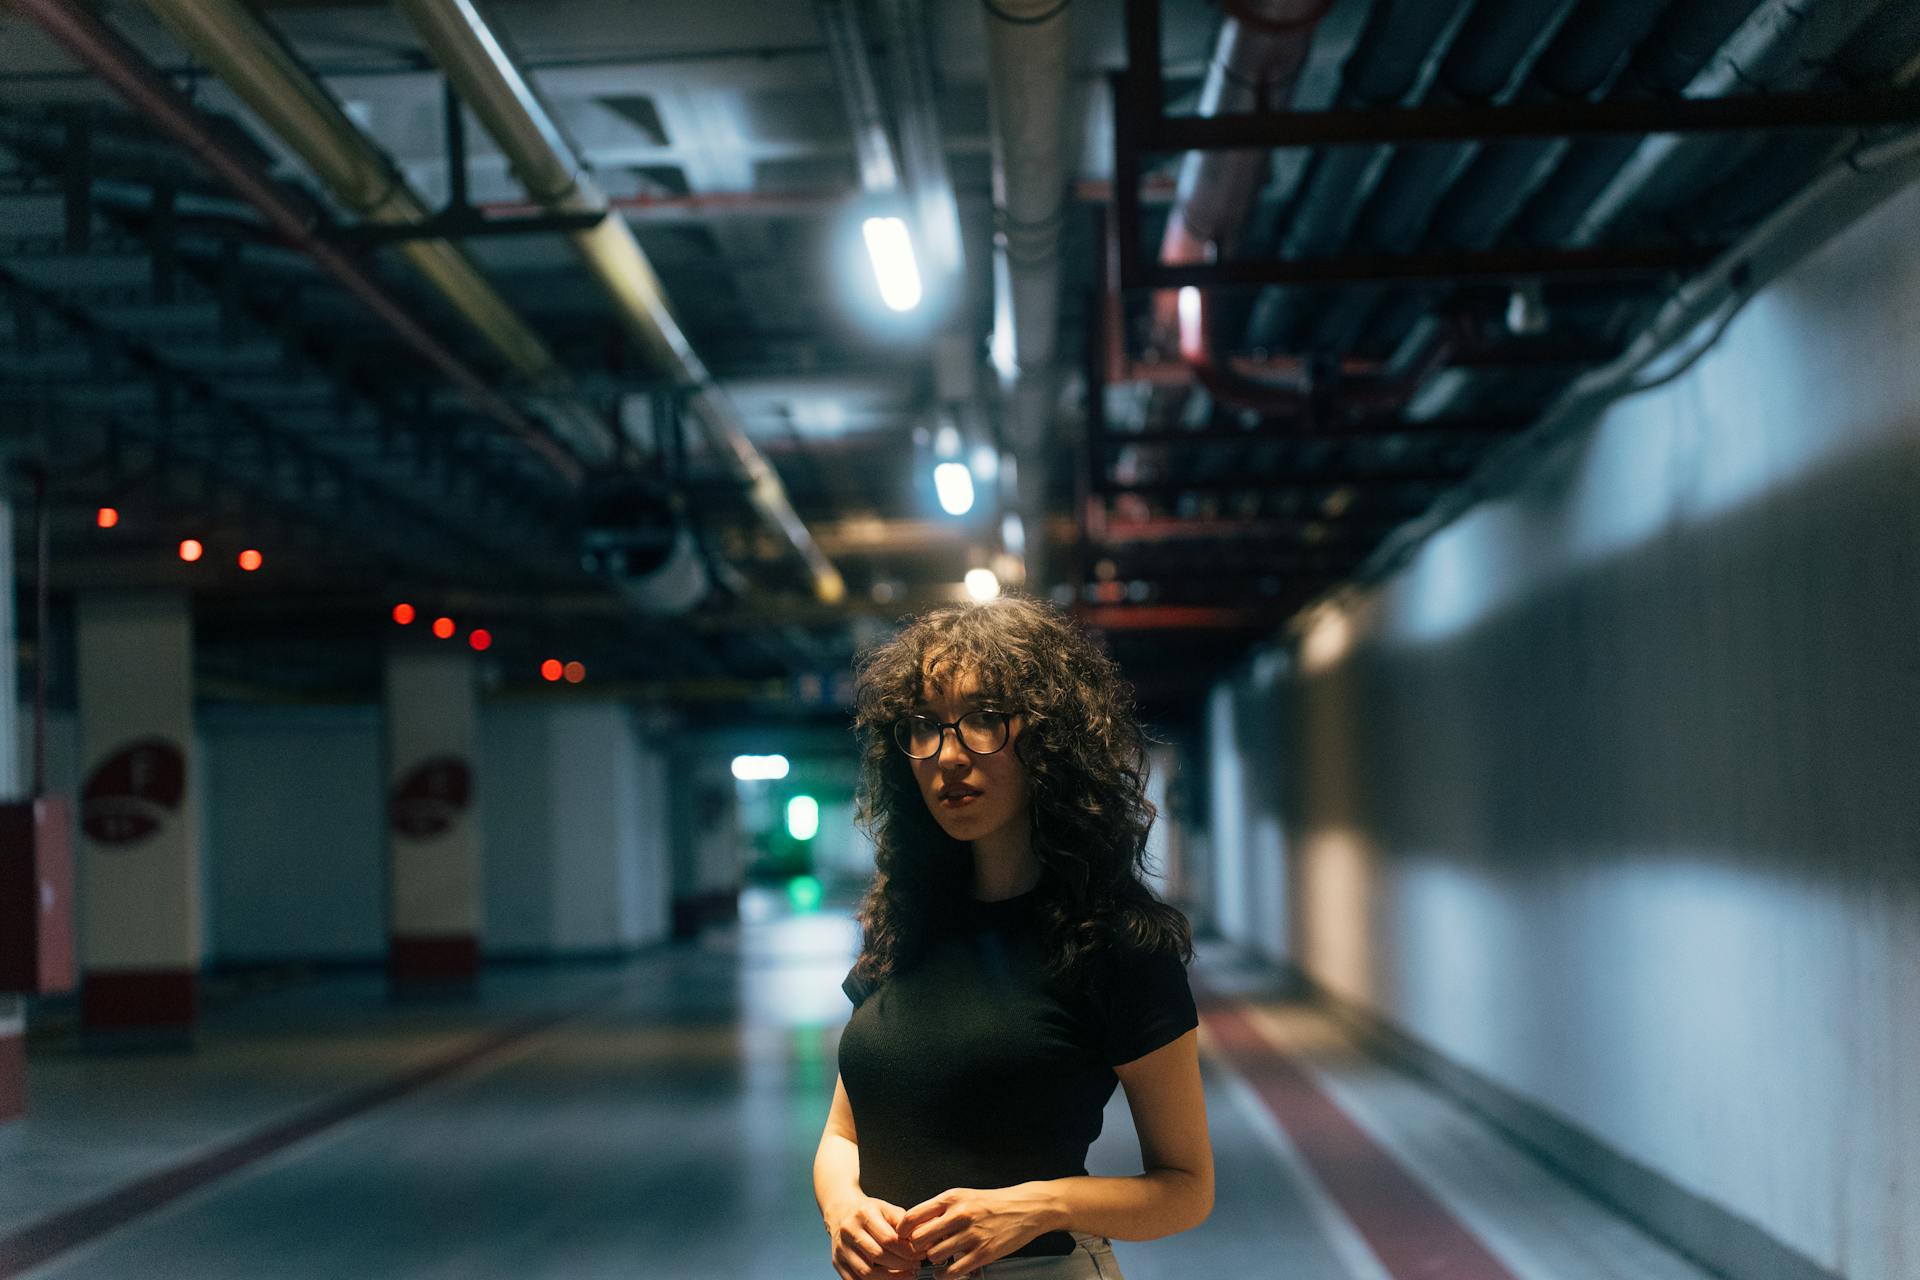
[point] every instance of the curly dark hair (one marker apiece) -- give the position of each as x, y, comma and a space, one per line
1085, 760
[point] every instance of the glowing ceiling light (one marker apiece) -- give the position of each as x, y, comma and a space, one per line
759, 768
191, 550
803, 817
106, 517
1013, 533
551, 669
480, 639
954, 483
403, 614
249, 559
982, 585
443, 628
891, 249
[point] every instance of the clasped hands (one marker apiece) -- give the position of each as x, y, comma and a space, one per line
960, 1230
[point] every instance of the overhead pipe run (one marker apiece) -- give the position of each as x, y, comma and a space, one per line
108, 56
473, 59
1257, 59
1027, 87
240, 48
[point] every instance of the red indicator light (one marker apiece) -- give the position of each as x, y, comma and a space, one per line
191, 550
249, 559
576, 672
403, 614
106, 517
551, 669
443, 628
480, 639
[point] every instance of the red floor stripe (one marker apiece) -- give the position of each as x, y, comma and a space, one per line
1412, 1234
38, 1242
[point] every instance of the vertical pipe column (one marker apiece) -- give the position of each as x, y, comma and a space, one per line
140, 935
13, 1021
433, 832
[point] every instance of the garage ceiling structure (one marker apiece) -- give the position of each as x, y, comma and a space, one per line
556, 317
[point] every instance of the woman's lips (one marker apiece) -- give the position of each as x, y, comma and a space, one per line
957, 799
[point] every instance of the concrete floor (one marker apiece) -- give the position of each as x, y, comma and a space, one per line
658, 1119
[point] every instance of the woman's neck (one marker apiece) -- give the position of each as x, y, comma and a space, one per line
1004, 864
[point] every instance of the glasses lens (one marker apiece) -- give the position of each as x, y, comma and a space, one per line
918, 736
983, 730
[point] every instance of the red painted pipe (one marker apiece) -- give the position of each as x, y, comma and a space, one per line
102, 50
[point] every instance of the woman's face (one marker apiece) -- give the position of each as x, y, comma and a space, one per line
972, 796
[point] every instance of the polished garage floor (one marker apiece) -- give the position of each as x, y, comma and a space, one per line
659, 1119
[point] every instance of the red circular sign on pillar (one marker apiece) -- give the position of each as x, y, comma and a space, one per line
130, 794
430, 796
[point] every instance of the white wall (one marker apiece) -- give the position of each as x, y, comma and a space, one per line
1245, 832
575, 813
572, 802
295, 852
1609, 796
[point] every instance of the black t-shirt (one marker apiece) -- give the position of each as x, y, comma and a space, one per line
971, 1069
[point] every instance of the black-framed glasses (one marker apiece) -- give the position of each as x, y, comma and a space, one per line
981, 732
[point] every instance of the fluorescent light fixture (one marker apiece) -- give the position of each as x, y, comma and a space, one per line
982, 585
759, 768
803, 817
891, 249
954, 483
1000, 343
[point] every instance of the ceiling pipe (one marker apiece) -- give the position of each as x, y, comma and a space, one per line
107, 55
492, 85
846, 45
922, 154
265, 75
1027, 87
1256, 61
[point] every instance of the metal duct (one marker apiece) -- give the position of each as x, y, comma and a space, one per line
922, 155
1490, 56
859, 93
1257, 58
1778, 46
273, 84
1397, 55
1027, 88
111, 58
473, 59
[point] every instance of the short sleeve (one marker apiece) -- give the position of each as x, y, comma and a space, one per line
1148, 1003
857, 988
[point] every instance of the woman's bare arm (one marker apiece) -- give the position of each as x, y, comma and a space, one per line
1176, 1192
836, 1165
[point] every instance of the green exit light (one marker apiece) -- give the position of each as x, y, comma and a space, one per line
803, 817
804, 893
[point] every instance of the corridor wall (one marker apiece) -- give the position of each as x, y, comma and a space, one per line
1604, 805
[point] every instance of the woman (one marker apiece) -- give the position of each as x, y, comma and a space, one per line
1015, 967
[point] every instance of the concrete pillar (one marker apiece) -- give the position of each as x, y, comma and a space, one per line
140, 937
13, 1021
433, 835
708, 861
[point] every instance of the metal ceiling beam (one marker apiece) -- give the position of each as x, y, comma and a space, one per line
493, 86
1493, 266
264, 74
98, 47
220, 460
1475, 428
1180, 617
1290, 483
1858, 109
